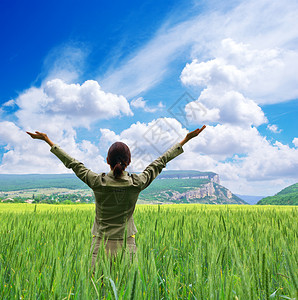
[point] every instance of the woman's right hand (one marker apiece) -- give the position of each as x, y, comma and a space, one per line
192, 134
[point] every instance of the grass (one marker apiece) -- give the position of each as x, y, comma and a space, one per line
184, 252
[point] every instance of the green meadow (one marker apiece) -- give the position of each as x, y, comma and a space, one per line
184, 252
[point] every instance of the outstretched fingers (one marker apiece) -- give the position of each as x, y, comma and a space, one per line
202, 128
37, 135
31, 134
199, 130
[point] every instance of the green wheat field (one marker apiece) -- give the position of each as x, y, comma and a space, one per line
184, 252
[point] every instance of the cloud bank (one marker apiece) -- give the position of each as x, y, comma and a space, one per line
57, 108
246, 161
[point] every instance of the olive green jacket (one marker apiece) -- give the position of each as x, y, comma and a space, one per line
115, 199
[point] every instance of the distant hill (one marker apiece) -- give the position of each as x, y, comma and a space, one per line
12, 182
16, 182
185, 186
287, 196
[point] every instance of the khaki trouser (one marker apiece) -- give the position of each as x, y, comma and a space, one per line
112, 247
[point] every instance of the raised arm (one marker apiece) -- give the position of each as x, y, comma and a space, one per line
85, 174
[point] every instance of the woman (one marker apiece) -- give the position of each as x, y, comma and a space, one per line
116, 192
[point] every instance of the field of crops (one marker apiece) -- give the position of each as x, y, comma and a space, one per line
184, 252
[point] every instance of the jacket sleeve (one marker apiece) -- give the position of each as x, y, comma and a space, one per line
152, 170
85, 174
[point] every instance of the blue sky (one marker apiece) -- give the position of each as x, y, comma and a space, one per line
91, 73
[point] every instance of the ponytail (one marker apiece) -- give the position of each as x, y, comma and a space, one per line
118, 158
118, 169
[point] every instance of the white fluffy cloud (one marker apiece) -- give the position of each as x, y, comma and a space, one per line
224, 141
224, 107
295, 142
229, 80
20, 155
273, 128
258, 73
141, 103
24, 155
77, 104
215, 72
9, 103
57, 108
266, 75
10, 134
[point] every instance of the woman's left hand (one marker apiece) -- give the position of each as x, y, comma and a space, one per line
40, 136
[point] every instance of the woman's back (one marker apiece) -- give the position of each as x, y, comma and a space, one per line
115, 201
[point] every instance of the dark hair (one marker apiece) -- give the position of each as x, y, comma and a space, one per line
118, 158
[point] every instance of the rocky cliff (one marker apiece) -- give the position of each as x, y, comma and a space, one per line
211, 193
189, 187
